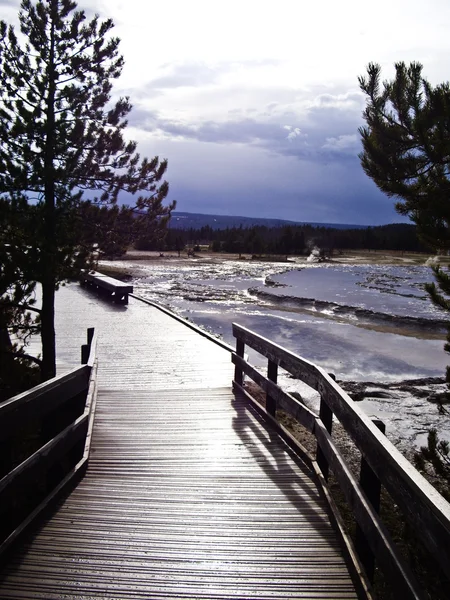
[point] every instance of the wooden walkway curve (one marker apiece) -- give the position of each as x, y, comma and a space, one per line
188, 494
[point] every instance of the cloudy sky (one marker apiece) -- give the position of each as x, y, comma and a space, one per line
256, 104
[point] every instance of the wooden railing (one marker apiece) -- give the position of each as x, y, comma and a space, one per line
423, 507
44, 444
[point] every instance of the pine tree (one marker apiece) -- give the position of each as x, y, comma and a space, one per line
436, 455
406, 146
60, 136
407, 154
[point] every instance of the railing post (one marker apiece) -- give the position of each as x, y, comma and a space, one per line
272, 374
238, 374
372, 488
86, 348
90, 335
326, 416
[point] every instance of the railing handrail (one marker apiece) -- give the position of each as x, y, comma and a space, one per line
15, 402
421, 503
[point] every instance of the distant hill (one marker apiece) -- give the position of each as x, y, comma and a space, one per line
185, 220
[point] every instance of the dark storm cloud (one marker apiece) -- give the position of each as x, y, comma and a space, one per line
326, 131
247, 180
240, 131
360, 204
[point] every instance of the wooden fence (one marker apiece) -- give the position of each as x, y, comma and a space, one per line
382, 464
44, 443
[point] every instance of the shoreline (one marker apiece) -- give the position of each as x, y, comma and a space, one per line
350, 257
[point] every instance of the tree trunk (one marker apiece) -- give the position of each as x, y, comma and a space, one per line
50, 246
48, 368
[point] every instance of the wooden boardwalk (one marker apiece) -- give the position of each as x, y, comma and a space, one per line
187, 494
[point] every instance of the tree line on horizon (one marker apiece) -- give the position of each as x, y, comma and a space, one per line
289, 240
